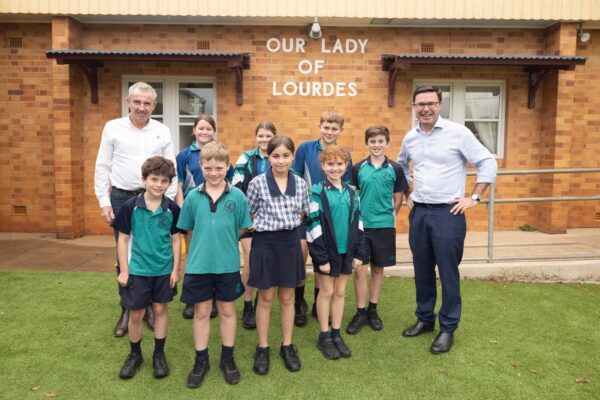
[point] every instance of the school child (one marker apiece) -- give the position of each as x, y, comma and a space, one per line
307, 164
216, 213
251, 164
278, 201
149, 249
189, 174
334, 235
381, 183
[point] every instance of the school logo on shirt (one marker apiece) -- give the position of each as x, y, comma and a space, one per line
230, 206
164, 222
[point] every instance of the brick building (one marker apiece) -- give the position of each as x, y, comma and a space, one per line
517, 72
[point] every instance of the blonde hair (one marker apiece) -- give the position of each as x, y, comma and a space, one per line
334, 117
215, 151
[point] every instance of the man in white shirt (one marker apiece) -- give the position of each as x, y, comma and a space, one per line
126, 143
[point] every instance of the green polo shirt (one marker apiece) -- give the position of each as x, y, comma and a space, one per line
377, 186
214, 248
150, 251
339, 205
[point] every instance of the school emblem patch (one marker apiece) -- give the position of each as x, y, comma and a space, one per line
230, 206
164, 222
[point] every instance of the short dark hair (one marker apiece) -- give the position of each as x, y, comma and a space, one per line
158, 166
425, 89
207, 118
266, 125
277, 141
375, 130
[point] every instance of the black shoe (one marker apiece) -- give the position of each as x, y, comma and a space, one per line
328, 349
357, 323
188, 311
341, 346
249, 318
300, 318
289, 354
261, 360
230, 371
131, 365
149, 317
442, 343
214, 311
196, 377
121, 326
374, 321
160, 366
418, 328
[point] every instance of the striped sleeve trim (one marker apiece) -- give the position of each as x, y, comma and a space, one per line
314, 233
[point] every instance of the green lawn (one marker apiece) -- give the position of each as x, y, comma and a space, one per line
516, 341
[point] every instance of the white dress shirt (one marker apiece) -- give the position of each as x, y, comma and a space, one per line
123, 150
440, 159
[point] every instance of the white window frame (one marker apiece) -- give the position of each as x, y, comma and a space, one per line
457, 103
170, 116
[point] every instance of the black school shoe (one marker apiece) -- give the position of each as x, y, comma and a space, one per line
160, 366
197, 374
359, 320
230, 371
261, 360
374, 321
289, 354
188, 311
249, 318
301, 308
341, 347
328, 348
131, 365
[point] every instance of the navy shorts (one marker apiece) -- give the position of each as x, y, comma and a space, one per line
380, 246
198, 288
343, 266
141, 290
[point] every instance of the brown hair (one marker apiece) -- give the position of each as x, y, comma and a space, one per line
333, 152
425, 89
207, 118
375, 130
215, 151
277, 141
158, 166
333, 117
266, 125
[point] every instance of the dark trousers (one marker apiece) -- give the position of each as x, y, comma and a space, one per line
117, 199
437, 237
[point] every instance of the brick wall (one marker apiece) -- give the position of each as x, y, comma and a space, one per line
26, 141
299, 116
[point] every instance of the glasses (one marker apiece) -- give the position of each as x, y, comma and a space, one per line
421, 106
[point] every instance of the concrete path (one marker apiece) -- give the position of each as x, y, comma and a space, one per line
570, 257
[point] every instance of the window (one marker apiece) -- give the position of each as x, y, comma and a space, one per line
479, 105
180, 100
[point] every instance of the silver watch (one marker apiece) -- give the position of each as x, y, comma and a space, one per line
475, 197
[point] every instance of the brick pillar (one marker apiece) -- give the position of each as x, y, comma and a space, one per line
558, 111
68, 132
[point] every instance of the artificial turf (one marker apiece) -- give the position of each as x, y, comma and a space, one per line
515, 341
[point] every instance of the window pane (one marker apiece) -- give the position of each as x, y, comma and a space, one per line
158, 86
486, 133
446, 102
185, 136
196, 98
482, 102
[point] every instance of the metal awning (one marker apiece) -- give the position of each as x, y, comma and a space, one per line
90, 60
538, 67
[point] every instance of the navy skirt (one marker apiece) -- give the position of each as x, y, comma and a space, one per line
276, 259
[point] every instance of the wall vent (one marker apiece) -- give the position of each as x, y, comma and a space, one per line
203, 45
19, 210
14, 42
427, 47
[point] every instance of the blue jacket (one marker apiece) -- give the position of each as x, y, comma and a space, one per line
307, 163
320, 233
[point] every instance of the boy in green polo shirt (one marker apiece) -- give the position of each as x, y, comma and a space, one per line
381, 183
217, 213
149, 248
